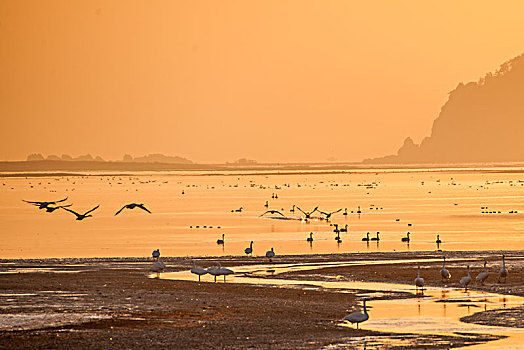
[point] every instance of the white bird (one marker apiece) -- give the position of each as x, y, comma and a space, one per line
503, 272
466, 280
270, 254
444, 273
419, 281
158, 266
358, 317
197, 270
221, 241
250, 249
481, 277
219, 271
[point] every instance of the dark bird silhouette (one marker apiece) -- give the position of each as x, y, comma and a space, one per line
328, 215
82, 216
133, 206
52, 209
308, 215
273, 212
43, 205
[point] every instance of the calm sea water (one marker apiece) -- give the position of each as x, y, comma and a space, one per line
449, 203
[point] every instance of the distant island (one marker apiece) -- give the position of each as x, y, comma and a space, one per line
481, 122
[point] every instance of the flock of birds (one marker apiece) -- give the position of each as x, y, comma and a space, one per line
51, 206
466, 280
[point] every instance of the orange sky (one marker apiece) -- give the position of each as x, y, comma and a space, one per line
213, 81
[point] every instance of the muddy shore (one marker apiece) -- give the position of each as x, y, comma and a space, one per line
95, 303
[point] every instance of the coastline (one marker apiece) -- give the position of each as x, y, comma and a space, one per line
133, 309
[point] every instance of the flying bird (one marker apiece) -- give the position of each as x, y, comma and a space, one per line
308, 215
43, 205
52, 209
273, 212
133, 206
328, 215
82, 216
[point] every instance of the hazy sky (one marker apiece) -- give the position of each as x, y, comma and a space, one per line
214, 81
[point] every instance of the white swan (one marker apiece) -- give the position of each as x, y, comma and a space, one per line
219, 271
419, 281
444, 273
503, 272
158, 267
197, 270
466, 280
270, 254
358, 317
250, 249
481, 277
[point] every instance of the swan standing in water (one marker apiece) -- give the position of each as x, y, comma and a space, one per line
481, 277
249, 250
219, 271
158, 266
221, 241
197, 270
358, 317
466, 280
419, 282
503, 272
444, 273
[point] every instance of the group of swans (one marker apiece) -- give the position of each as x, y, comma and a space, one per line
466, 280
80, 216
214, 270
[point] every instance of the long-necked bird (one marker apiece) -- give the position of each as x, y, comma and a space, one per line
133, 206
82, 216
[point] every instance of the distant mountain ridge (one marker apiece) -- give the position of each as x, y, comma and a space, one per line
481, 122
150, 158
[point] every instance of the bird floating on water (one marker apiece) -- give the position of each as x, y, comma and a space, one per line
358, 317
406, 239
310, 238
376, 238
82, 216
133, 206
366, 239
156, 254
221, 241
438, 241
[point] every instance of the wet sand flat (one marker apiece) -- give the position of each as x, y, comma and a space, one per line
124, 308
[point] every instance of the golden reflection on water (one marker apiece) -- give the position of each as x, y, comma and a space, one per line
447, 203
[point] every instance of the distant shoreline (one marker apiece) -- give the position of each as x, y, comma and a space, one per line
83, 168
